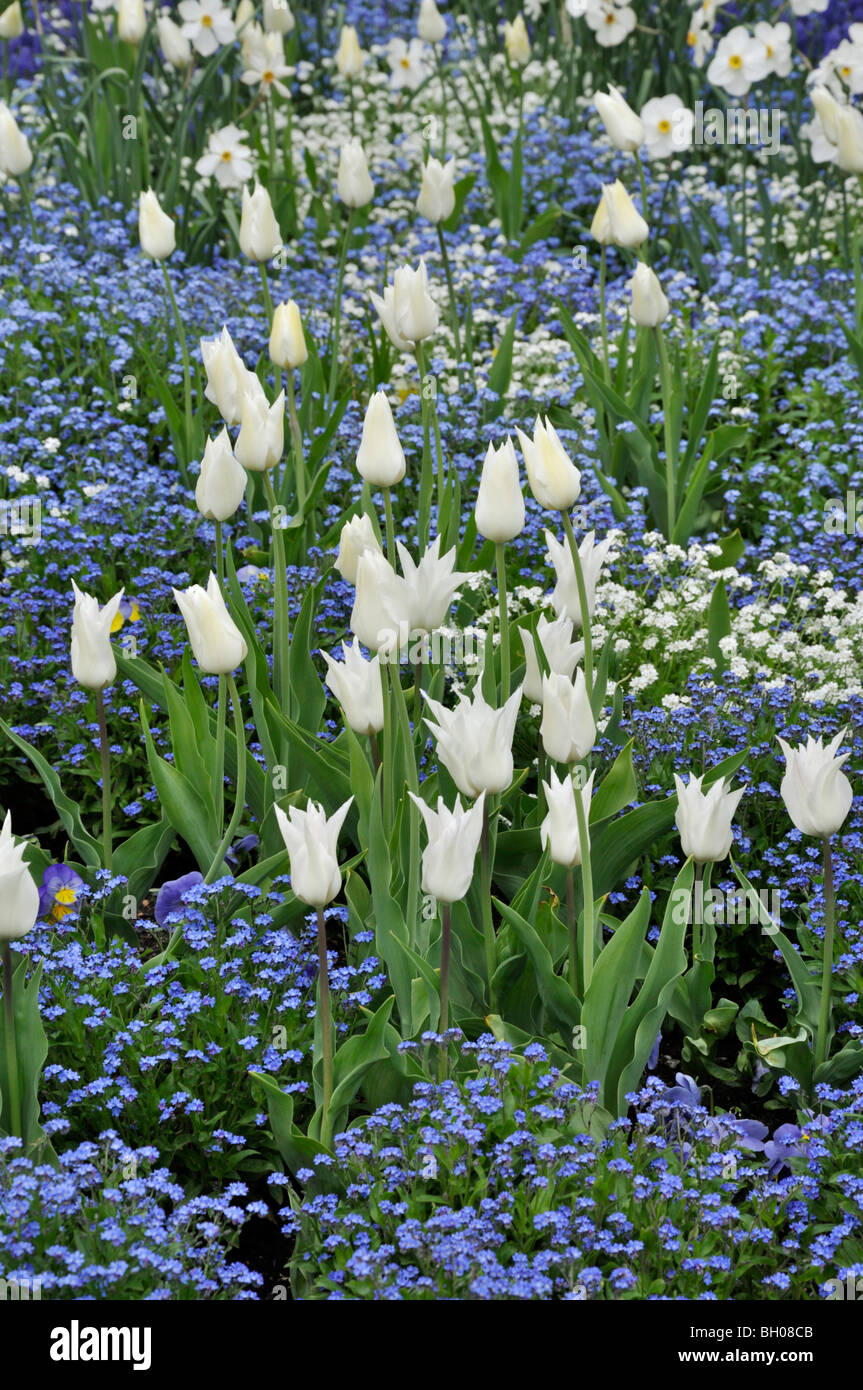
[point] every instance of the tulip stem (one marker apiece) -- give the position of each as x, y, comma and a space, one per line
487, 920
603, 319
105, 757
644, 207
375, 749
297, 441
389, 742
500, 559
337, 308
827, 958
426, 484
443, 1016
582, 603
418, 690
326, 1028
219, 755
587, 888
187, 373
697, 912
453, 303
573, 930
670, 451
240, 800
268, 298
11, 1049
391, 535
220, 556
281, 614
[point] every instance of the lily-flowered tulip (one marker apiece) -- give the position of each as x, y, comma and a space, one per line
19, 896
436, 200
516, 42
561, 653
625, 129
431, 25
93, 664
649, 304
703, 819
816, 792
617, 221
559, 831
564, 599
217, 643
228, 378
431, 586
500, 502
278, 17
354, 184
176, 49
155, 228
131, 20
474, 741
380, 617
221, 484
11, 22
568, 729
349, 56
828, 109
380, 458
260, 237
311, 839
453, 840
15, 154
287, 340
261, 441
554, 479
357, 536
407, 310
849, 130
357, 685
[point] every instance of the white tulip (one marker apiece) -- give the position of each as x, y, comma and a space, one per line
453, 840
15, 154
385, 309
500, 502
176, 49
155, 228
221, 484
554, 479
849, 127
260, 237
436, 199
261, 441
278, 18
357, 536
617, 221
828, 109
516, 41
357, 685
431, 586
287, 340
559, 831
380, 458
11, 22
349, 56
380, 617
131, 20
568, 728
649, 304
228, 378
625, 129
415, 311
311, 839
474, 741
561, 653
217, 643
816, 792
93, 664
19, 896
565, 600
703, 819
354, 184
431, 25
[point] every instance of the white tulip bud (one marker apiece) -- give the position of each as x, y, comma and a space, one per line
625, 129
380, 459
517, 42
176, 48
356, 538
287, 340
703, 819
311, 840
260, 237
11, 22
568, 729
261, 441
617, 221
554, 479
500, 502
93, 664
228, 378
561, 653
436, 200
356, 684
131, 20
380, 617
155, 228
431, 25
221, 484
453, 840
559, 831
828, 109
278, 17
354, 184
416, 313
217, 643
816, 792
849, 127
15, 153
349, 56
385, 309
649, 304
19, 896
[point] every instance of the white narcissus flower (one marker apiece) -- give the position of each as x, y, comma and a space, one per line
500, 502
407, 311
816, 792
846, 61
312, 841
453, 840
357, 536
474, 741
408, 64
616, 221
436, 199
261, 441
206, 24
11, 22
699, 39
93, 663
564, 599
287, 340
610, 22
217, 643
19, 896
228, 378
380, 617
260, 237
155, 228
265, 66
623, 126
131, 20
431, 25
561, 653
278, 17
740, 59
228, 159
221, 484
649, 304
349, 56
554, 479
354, 184
849, 148
357, 685
668, 126
517, 42
703, 819
15, 153
568, 728
777, 43
431, 586
559, 831
176, 49
380, 458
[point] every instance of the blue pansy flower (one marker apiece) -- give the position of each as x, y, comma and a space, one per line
170, 894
